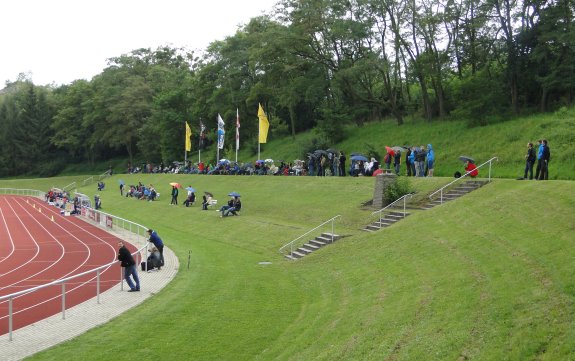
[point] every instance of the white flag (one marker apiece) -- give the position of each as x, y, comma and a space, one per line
221, 132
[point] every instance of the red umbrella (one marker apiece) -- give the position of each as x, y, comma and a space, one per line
390, 151
177, 185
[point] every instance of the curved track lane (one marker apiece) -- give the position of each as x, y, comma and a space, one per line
40, 246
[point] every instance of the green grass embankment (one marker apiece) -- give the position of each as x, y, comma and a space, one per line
485, 277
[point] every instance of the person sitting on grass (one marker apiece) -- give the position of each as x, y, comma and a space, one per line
471, 168
236, 207
226, 207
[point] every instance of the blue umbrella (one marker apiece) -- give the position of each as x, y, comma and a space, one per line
234, 194
121, 182
191, 189
358, 158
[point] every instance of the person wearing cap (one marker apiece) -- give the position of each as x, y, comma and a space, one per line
157, 241
129, 265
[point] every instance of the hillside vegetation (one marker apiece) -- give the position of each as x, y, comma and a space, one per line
485, 277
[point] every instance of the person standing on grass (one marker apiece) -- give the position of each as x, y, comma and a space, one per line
430, 160
545, 157
157, 241
539, 157
529, 161
174, 196
129, 265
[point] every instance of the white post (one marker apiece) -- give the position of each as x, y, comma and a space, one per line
10, 318
63, 301
98, 287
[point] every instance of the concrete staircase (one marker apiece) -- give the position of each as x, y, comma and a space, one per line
456, 192
385, 221
312, 245
395, 216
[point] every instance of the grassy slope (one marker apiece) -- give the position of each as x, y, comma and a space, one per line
485, 277
506, 140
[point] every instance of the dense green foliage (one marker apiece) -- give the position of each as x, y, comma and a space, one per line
312, 64
485, 277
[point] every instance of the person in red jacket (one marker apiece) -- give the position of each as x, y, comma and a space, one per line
471, 168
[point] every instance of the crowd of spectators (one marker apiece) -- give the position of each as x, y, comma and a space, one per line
142, 192
419, 161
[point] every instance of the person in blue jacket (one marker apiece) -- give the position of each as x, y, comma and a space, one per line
157, 241
539, 158
430, 160
412, 161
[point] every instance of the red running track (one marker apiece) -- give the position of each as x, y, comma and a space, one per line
38, 246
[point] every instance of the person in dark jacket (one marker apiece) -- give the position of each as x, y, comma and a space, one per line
129, 265
545, 157
342, 160
157, 241
174, 195
529, 161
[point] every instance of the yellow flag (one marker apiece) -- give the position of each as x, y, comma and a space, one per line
188, 136
264, 125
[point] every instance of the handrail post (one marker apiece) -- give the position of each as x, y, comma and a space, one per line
404, 204
490, 161
10, 318
98, 287
63, 301
332, 228
441, 196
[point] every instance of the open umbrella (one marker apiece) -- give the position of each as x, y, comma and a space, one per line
356, 153
397, 148
319, 151
331, 150
121, 182
259, 161
269, 160
234, 194
389, 150
209, 194
224, 161
177, 185
191, 189
465, 158
358, 158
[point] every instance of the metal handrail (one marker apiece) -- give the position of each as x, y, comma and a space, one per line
440, 190
71, 185
121, 222
290, 244
404, 198
88, 181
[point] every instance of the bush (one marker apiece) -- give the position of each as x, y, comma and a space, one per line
397, 190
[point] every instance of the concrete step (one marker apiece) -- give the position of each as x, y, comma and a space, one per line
303, 250
384, 223
311, 247
326, 239
372, 227
297, 254
317, 243
290, 257
328, 235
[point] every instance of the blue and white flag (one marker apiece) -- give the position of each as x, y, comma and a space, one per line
221, 132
